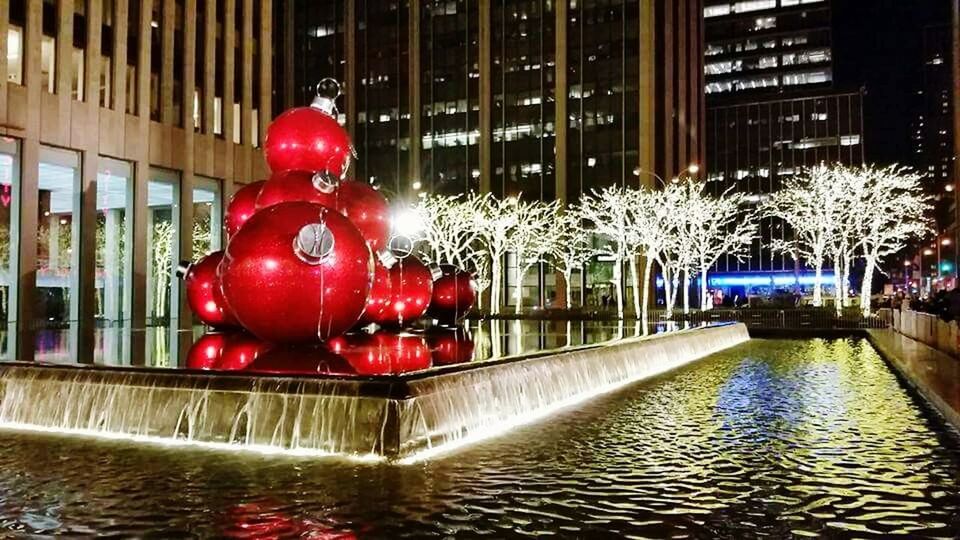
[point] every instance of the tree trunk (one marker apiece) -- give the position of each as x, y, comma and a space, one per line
495, 278
704, 292
845, 278
567, 289
618, 284
519, 273
645, 308
817, 288
867, 287
837, 284
686, 292
636, 285
669, 292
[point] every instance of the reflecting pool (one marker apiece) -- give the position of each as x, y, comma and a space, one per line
770, 438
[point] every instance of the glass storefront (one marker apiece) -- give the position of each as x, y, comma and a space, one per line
114, 260
9, 232
207, 216
163, 254
56, 310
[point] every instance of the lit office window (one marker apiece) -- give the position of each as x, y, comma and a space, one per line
207, 216
163, 253
114, 260
9, 182
48, 58
15, 55
58, 230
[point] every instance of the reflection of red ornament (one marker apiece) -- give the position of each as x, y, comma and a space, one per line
412, 286
266, 518
295, 272
407, 352
242, 206
454, 293
293, 186
203, 292
383, 353
313, 359
450, 346
240, 350
380, 294
206, 351
368, 210
307, 139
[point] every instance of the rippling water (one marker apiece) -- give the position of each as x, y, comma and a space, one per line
772, 438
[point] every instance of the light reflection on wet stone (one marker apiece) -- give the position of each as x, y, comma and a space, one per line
771, 438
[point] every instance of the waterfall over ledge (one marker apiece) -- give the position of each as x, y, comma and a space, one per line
405, 417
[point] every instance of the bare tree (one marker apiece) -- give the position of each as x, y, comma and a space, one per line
573, 250
608, 211
808, 204
450, 227
494, 224
532, 237
896, 214
651, 221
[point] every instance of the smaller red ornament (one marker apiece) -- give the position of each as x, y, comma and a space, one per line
450, 346
242, 205
368, 210
381, 292
454, 294
412, 286
206, 351
204, 295
296, 186
307, 139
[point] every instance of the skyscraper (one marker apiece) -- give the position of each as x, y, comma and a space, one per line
773, 109
544, 100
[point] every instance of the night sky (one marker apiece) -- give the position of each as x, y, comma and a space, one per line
878, 44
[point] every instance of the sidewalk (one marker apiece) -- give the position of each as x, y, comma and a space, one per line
934, 374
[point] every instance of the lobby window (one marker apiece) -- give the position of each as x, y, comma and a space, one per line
163, 253
9, 188
58, 228
114, 259
207, 216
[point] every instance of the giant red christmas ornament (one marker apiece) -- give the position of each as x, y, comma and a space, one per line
412, 285
309, 138
203, 292
242, 206
297, 272
293, 185
380, 295
368, 209
454, 293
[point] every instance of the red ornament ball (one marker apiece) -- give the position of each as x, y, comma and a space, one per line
383, 353
381, 292
297, 272
412, 286
203, 292
450, 346
293, 186
368, 210
454, 294
242, 206
307, 139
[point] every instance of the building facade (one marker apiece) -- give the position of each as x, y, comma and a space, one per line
546, 100
124, 125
